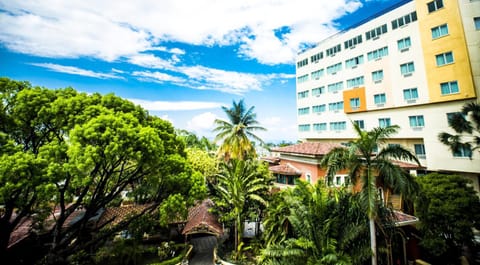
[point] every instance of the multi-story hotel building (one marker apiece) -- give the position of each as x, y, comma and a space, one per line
411, 65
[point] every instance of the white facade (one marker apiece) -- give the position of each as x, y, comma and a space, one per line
407, 99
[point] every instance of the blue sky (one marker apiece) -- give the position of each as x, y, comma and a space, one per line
179, 59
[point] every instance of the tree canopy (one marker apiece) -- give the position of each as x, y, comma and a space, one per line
65, 152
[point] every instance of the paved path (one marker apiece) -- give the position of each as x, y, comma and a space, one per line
203, 250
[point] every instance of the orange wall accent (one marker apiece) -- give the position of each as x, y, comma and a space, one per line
354, 93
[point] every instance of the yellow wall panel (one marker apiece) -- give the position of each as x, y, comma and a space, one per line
354, 93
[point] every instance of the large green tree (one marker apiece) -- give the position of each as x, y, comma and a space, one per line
240, 184
448, 209
466, 125
67, 152
313, 225
370, 168
237, 133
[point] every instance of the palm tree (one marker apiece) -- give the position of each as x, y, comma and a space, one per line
239, 184
468, 131
369, 168
236, 133
323, 227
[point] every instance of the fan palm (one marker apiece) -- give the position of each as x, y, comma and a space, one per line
464, 128
239, 183
237, 132
369, 168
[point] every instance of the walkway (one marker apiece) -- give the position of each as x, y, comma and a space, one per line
203, 250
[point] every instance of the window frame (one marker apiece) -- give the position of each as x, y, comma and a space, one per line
411, 93
445, 58
435, 5
382, 97
409, 67
418, 121
449, 84
440, 30
384, 122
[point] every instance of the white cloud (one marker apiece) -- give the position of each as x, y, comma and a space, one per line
175, 105
202, 124
77, 71
150, 61
157, 77
110, 30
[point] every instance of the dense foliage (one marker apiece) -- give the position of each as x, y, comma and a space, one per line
448, 208
68, 152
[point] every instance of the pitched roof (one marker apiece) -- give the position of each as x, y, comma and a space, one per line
201, 220
403, 219
285, 169
308, 148
114, 215
407, 165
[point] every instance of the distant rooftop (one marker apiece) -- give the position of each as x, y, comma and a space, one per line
308, 148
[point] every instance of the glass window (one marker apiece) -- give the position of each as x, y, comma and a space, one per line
444, 58
379, 98
377, 76
410, 94
335, 87
303, 94
333, 69
319, 108
302, 63
439, 31
376, 32
335, 106
434, 5
304, 127
355, 82
304, 111
355, 103
407, 68
377, 54
419, 150
350, 63
302, 79
317, 74
320, 126
318, 91
360, 123
449, 88
404, 43
338, 126
463, 151
416, 121
317, 57
476, 20
384, 122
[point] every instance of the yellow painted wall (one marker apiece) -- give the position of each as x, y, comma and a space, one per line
354, 93
460, 70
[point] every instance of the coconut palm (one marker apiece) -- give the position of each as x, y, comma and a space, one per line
236, 133
324, 227
239, 183
369, 168
468, 130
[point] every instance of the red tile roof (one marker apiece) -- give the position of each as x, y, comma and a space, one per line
115, 215
20, 232
285, 169
308, 148
200, 219
406, 165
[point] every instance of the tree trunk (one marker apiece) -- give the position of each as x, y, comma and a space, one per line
373, 241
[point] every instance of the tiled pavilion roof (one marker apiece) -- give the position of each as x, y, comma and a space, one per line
201, 220
308, 148
285, 169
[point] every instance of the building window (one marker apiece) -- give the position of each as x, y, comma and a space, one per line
317, 57
338, 126
379, 99
404, 20
285, 179
439, 31
303, 94
410, 94
352, 63
333, 69
407, 68
355, 82
304, 111
352, 42
448, 88
376, 32
355, 103
434, 5
444, 58
319, 108
463, 151
318, 91
335, 106
384, 122
302, 79
377, 54
317, 74
404, 44
318, 127
416, 121
476, 21
420, 150
332, 51
302, 63
360, 124
335, 87
377, 76
304, 127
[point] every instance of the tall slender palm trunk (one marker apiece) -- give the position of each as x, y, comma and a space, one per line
373, 240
